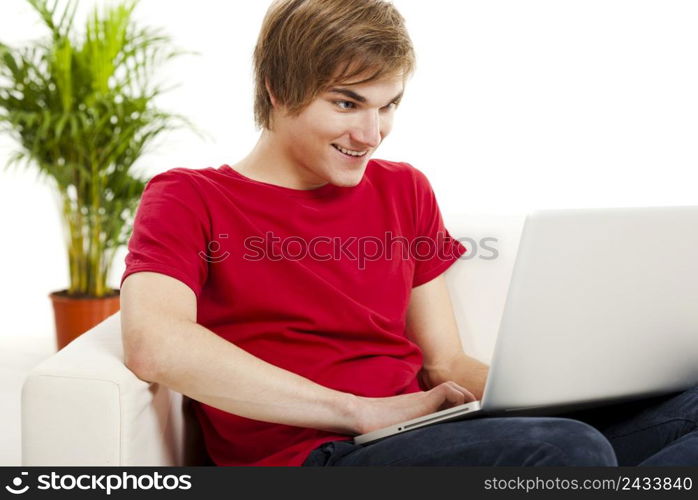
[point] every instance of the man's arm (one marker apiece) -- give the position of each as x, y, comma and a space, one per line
432, 325
164, 344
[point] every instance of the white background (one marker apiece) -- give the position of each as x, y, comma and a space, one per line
516, 105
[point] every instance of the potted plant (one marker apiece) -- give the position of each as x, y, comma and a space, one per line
81, 108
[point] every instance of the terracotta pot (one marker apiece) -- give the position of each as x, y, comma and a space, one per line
75, 315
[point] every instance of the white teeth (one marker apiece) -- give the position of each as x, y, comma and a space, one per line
349, 151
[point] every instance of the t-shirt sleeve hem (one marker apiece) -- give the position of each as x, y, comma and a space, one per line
172, 273
440, 267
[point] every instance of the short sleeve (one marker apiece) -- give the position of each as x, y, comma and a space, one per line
171, 230
434, 249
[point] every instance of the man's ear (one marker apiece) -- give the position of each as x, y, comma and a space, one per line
271, 96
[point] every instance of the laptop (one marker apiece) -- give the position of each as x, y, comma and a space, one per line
602, 307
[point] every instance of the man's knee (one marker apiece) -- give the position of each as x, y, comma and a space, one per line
688, 403
570, 442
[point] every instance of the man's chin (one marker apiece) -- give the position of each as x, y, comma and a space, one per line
348, 180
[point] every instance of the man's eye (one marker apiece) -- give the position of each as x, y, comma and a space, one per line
345, 104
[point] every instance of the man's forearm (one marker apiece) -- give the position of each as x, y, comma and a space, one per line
194, 361
464, 370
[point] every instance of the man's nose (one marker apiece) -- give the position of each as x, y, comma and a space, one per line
368, 131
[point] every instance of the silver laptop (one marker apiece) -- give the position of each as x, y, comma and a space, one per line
602, 307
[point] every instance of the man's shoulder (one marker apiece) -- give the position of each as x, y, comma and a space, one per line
395, 173
381, 166
185, 175
184, 181
391, 170
182, 185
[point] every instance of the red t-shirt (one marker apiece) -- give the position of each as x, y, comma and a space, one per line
316, 282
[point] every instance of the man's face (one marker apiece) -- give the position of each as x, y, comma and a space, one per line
332, 139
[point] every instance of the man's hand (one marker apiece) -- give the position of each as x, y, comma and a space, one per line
376, 413
464, 370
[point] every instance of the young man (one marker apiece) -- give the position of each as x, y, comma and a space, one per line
253, 289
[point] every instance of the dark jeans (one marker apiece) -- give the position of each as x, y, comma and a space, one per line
657, 431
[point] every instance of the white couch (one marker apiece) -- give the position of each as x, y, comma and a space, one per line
83, 407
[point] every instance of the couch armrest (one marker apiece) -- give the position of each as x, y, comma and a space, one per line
82, 406
479, 281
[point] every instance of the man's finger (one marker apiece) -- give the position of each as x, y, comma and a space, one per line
466, 393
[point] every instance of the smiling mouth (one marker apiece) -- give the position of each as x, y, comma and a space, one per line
349, 152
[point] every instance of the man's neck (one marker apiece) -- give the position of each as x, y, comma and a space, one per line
269, 163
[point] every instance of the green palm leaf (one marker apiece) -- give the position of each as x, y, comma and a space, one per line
81, 108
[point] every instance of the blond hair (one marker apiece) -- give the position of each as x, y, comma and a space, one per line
305, 46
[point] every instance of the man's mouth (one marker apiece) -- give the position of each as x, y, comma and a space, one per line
349, 152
